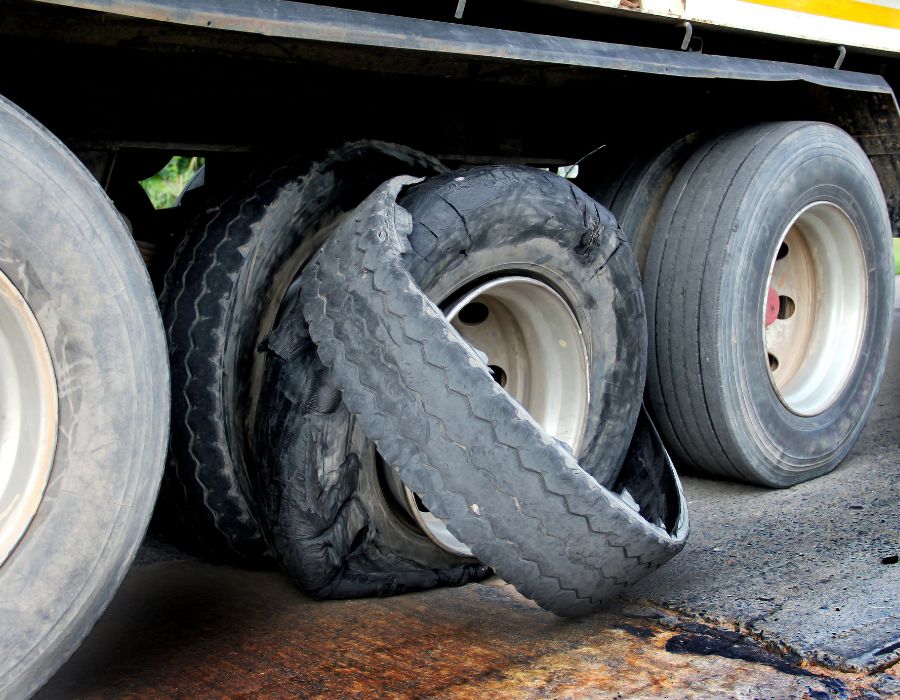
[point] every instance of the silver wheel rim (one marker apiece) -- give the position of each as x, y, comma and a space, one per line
814, 308
531, 340
28, 416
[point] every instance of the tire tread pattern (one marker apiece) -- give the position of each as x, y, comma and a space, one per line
694, 260
207, 493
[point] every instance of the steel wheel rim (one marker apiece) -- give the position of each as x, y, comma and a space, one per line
814, 308
28, 416
533, 342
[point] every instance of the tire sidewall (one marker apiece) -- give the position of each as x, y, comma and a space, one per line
72, 259
638, 203
295, 225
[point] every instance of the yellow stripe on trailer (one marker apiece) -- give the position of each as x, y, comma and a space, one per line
866, 24
849, 10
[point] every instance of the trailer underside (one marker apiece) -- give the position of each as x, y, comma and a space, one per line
211, 77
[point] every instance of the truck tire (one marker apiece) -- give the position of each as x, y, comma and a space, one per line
220, 299
84, 405
433, 407
636, 197
327, 512
502, 222
495, 240
769, 290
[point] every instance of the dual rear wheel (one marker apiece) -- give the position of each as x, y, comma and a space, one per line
769, 290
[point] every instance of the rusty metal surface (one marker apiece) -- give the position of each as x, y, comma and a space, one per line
318, 23
192, 629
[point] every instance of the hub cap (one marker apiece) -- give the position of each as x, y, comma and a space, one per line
531, 341
28, 416
814, 308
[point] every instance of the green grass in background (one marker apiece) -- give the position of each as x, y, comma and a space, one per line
165, 187
897, 256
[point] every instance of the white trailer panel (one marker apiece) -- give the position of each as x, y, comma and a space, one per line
870, 24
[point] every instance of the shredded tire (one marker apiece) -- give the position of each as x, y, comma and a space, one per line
481, 463
333, 520
221, 297
331, 525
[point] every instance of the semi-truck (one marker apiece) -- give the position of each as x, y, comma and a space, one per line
453, 282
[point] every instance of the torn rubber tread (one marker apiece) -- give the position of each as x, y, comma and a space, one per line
334, 528
331, 524
483, 221
478, 460
218, 297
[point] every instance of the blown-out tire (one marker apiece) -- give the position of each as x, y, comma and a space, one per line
769, 290
76, 273
502, 485
636, 197
332, 523
522, 236
220, 299
495, 221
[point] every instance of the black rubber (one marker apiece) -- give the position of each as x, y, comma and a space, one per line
471, 224
334, 526
220, 299
504, 487
708, 384
636, 197
70, 255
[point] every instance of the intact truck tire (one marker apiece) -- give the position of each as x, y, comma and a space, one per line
636, 198
220, 299
515, 495
769, 291
521, 248
85, 394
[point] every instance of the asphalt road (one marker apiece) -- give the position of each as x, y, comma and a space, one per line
812, 567
789, 593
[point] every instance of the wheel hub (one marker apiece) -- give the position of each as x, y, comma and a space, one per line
28, 416
814, 308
